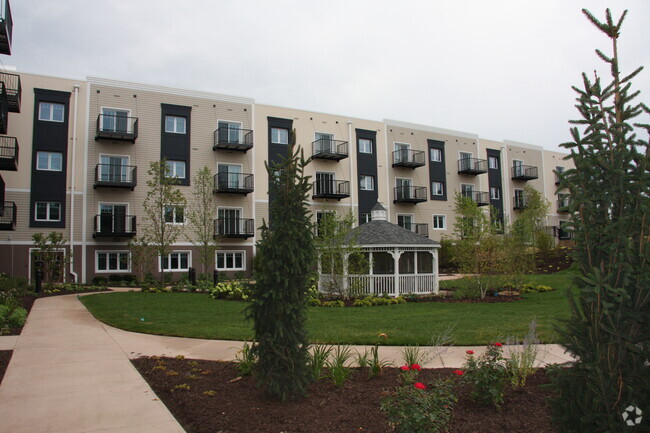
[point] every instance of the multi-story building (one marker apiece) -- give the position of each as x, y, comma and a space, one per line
86, 147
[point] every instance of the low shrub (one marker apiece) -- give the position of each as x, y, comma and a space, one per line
314, 302
487, 375
335, 304
245, 360
530, 288
466, 293
11, 316
232, 290
99, 281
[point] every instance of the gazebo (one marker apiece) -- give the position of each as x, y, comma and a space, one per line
400, 261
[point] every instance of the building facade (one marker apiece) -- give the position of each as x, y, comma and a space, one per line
86, 146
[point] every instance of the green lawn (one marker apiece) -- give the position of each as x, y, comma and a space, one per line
199, 316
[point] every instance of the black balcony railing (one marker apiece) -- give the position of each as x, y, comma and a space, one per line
524, 172
520, 202
14, 90
327, 148
409, 194
4, 109
227, 138
2, 189
233, 183
563, 204
114, 225
472, 166
116, 176
481, 198
6, 28
408, 158
116, 127
421, 229
8, 215
337, 189
234, 228
562, 233
8, 153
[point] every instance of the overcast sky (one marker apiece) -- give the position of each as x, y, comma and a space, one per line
499, 69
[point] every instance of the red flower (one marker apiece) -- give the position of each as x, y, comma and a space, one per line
498, 344
458, 372
470, 352
420, 385
416, 367
405, 368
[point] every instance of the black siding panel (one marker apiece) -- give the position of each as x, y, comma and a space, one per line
367, 165
50, 137
494, 179
277, 151
176, 147
437, 170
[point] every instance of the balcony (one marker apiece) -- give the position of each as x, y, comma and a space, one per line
472, 166
237, 139
481, 198
336, 189
8, 216
4, 109
408, 158
2, 190
524, 172
409, 194
14, 90
234, 228
520, 202
116, 176
116, 128
326, 148
111, 225
562, 234
563, 204
8, 153
6, 28
233, 183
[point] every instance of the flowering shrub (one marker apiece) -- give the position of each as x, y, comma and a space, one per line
486, 375
233, 290
417, 408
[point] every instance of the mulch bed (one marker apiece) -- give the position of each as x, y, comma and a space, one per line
555, 260
5, 356
239, 406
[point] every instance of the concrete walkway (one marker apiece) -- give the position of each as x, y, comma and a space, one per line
70, 373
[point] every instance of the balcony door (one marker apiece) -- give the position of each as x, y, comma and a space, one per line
405, 221
114, 120
517, 167
324, 182
467, 190
403, 188
113, 168
229, 176
324, 143
112, 218
402, 152
229, 132
230, 221
465, 161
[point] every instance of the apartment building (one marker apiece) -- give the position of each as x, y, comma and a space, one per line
86, 146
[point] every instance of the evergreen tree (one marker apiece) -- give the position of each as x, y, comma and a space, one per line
285, 260
609, 330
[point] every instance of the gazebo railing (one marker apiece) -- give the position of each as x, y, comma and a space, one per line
388, 284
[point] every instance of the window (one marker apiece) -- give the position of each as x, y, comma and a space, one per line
175, 214
365, 145
176, 169
49, 161
175, 124
493, 162
558, 174
437, 188
439, 222
495, 193
176, 261
107, 261
436, 155
279, 136
365, 218
367, 183
405, 221
231, 260
50, 112
48, 211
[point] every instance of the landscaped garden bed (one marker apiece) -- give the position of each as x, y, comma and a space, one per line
5, 356
218, 401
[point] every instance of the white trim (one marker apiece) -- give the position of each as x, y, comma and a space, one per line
49, 160
433, 129
189, 261
325, 133
395, 143
51, 117
440, 153
100, 203
524, 145
443, 188
176, 124
129, 129
460, 152
243, 253
372, 151
277, 142
175, 206
99, 159
433, 226
498, 190
48, 220
174, 165
112, 271
403, 178
367, 176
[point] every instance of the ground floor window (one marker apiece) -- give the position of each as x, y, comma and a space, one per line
176, 261
116, 261
231, 260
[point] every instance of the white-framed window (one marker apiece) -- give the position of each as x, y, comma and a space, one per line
366, 183
495, 193
365, 145
115, 120
175, 169
48, 211
112, 261
435, 155
231, 260
51, 112
229, 131
439, 222
176, 261
437, 188
49, 161
279, 136
175, 214
493, 162
365, 217
175, 124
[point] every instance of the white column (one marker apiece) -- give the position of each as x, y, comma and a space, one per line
396, 255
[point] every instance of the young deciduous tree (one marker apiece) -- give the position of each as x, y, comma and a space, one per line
142, 257
162, 195
50, 256
609, 329
285, 261
201, 212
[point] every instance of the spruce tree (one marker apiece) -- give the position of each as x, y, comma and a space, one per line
609, 329
285, 261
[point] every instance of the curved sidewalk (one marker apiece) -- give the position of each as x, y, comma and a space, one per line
70, 373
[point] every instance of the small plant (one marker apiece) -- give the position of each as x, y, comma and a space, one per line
376, 365
339, 370
337, 303
245, 360
209, 393
487, 375
11, 316
181, 387
192, 376
521, 358
159, 367
363, 359
413, 355
171, 373
318, 359
314, 302
179, 357
233, 290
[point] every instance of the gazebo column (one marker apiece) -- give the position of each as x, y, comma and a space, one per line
345, 273
415, 272
436, 287
396, 255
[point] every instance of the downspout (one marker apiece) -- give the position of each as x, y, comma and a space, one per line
353, 179
73, 180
